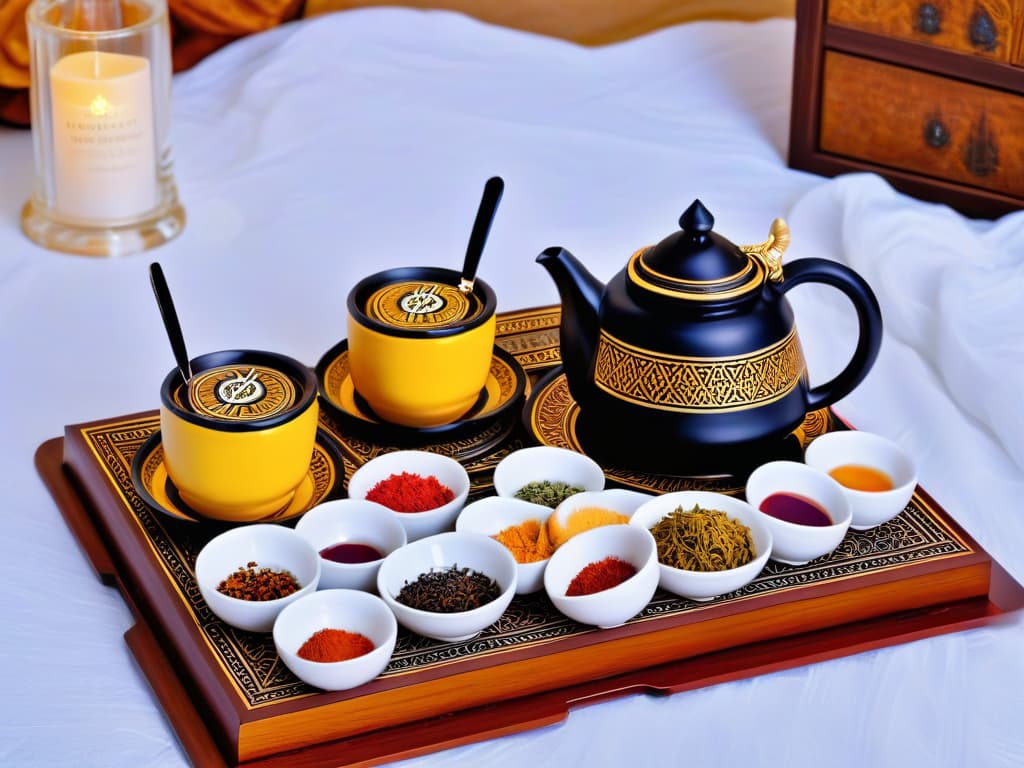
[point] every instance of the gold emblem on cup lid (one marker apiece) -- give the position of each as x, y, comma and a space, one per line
421, 304
242, 392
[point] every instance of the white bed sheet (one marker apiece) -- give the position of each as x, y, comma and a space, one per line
314, 154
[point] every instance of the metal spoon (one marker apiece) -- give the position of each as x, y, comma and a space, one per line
171, 324
481, 227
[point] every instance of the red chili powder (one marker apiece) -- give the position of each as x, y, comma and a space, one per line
409, 492
599, 576
329, 645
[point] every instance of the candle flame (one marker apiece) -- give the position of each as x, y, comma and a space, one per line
99, 106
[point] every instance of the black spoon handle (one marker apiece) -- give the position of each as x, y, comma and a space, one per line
493, 190
170, 317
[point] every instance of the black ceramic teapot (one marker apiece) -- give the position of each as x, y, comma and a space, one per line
688, 360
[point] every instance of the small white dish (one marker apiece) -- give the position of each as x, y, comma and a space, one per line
464, 549
546, 463
423, 463
614, 606
492, 515
793, 543
346, 609
619, 501
269, 546
351, 521
844, 448
707, 585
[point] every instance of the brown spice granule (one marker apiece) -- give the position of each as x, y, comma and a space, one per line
253, 583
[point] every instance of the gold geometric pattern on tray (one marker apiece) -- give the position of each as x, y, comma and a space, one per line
693, 385
250, 662
531, 336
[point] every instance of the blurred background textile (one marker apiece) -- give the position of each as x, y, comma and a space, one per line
199, 27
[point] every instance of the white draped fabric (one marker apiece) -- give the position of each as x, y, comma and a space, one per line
312, 155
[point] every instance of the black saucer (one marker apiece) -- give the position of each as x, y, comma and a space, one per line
502, 394
323, 481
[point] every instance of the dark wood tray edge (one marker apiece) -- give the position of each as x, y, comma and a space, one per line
520, 714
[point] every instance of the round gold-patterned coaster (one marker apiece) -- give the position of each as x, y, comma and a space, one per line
551, 417
421, 304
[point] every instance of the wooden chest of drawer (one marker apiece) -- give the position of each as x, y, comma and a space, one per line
982, 27
928, 94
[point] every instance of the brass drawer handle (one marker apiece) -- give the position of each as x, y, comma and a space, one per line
929, 19
982, 31
981, 155
935, 134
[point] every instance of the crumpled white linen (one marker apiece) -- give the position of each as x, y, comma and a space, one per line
950, 288
316, 153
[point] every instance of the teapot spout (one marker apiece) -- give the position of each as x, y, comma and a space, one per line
580, 293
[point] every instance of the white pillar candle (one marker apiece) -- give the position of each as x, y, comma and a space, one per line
103, 138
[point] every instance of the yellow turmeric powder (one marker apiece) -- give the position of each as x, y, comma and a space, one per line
528, 542
579, 520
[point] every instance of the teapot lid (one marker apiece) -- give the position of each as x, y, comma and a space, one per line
697, 263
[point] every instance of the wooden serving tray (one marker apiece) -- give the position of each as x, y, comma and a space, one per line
232, 703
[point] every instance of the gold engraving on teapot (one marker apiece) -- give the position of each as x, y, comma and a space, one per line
242, 393
698, 385
769, 253
421, 305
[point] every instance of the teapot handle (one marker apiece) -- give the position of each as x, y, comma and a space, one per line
813, 270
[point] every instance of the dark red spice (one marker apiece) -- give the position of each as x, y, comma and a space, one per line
599, 576
255, 583
350, 553
329, 645
409, 492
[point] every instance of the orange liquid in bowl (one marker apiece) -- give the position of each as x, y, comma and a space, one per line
858, 477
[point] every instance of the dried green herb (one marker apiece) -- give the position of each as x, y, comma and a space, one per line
702, 540
449, 590
550, 493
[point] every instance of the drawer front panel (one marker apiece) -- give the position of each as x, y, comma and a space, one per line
922, 123
983, 27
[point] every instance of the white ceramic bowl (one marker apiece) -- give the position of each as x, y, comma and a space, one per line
493, 514
706, 585
347, 609
466, 550
269, 546
353, 521
792, 543
870, 508
619, 500
424, 463
614, 606
546, 462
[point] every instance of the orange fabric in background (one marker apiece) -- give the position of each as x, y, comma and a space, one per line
198, 27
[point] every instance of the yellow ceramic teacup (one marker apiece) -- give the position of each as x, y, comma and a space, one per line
420, 348
238, 441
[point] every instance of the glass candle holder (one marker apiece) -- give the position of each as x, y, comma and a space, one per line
101, 106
